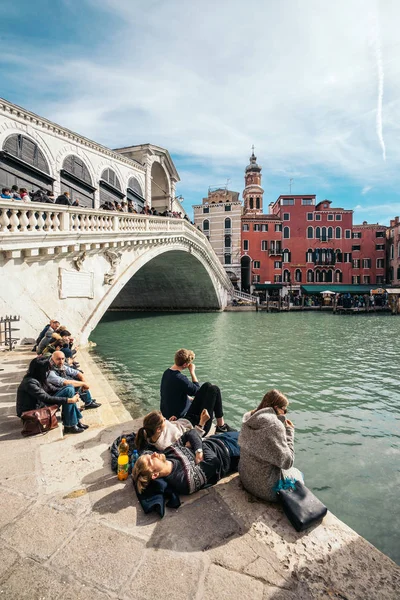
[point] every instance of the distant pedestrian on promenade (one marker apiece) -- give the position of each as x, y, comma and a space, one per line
267, 447
177, 393
63, 199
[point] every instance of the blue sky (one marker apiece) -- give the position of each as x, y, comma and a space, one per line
314, 85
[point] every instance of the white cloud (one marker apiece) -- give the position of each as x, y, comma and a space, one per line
366, 189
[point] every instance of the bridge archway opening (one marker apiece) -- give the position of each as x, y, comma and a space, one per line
160, 195
173, 280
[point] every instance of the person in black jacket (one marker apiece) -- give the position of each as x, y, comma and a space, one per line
32, 394
63, 199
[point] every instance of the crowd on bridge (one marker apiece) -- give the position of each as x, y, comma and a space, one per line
174, 443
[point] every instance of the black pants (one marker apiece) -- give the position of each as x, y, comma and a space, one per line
209, 397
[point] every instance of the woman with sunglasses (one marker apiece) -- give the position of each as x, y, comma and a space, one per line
266, 442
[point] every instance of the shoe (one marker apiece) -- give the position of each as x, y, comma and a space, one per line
82, 425
224, 428
73, 429
93, 404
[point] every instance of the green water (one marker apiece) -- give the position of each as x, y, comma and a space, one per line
340, 373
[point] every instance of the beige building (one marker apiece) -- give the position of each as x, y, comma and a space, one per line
218, 217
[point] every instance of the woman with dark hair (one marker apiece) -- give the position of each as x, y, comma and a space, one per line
32, 394
266, 442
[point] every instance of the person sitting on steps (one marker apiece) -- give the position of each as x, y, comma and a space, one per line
61, 375
161, 433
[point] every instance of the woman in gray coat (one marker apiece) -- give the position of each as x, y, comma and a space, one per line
266, 447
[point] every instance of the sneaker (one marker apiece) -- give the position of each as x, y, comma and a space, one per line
224, 428
93, 404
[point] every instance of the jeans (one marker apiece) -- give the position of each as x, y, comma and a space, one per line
209, 397
86, 397
70, 413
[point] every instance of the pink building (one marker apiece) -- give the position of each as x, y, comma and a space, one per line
393, 251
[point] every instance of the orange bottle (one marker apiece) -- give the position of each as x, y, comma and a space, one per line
123, 460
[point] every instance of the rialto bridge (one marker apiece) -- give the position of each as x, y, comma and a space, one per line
73, 264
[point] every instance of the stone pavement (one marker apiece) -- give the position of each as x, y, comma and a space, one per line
70, 530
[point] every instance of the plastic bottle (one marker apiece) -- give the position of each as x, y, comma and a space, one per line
135, 456
123, 460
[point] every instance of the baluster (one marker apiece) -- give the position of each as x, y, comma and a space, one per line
47, 223
32, 220
24, 221
40, 222
55, 222
4, 221
14, 221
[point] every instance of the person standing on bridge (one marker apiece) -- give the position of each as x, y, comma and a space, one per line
177, 394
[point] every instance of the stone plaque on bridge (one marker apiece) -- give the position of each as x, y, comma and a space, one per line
75, 284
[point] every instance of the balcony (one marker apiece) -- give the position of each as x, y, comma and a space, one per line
275, 252
228, 231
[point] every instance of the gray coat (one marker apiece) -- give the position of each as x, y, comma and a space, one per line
266, 447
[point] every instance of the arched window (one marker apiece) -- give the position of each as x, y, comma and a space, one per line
310, 233
309, 255
228, 241
338, 276
398, 272
286, 233
339, 255
27, 150
338, 233
257, 202
323, 234
330, 233
318, 277
297, 276
286, 255
310, 276
75, 179
76, 167
134, 185
329, 276
110, 187
110, 177
206, 225
318, 233
228, 223
286, 276
134, 194
251, 202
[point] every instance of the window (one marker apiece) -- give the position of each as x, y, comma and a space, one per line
398, 251
398, 272
338, 233
256, 227
264, 245
286, 216
228, 241
330, 217
347, 234
258, 203
310, 276
379, 279
286, 276
287, 201
339, 255
286, 256
256, 264
264, 227
251, 202
286, 233
228, 259
391, 250
246, 227
356, 234
228, 208
310, 217
317, 217
307, 201
297, 276
256, 279
355, 279
277, 278
323, 234
245, 244
381, 247
366, 263
366, 279
380, 263
309, 255
310, 233
228, 223
347, 257
338, 276
206, 209
356, 263
357, 247
206, 225
277, 264
330, 233
318, 233
380, 234
278, 227
338, 217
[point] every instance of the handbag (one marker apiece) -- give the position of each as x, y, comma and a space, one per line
301, 507
40, 420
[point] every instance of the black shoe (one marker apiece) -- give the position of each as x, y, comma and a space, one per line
73, 429
93, 404
224, 428
82, 425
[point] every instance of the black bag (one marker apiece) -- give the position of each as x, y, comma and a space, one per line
301, 507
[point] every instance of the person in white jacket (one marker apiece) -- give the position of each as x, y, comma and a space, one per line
162, 433
266, 443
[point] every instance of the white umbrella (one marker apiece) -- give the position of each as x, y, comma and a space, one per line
327, 292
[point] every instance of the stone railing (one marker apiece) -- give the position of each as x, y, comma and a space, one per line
243, 296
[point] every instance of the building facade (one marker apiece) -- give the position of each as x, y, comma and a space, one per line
218, 217
369, 254
393, 252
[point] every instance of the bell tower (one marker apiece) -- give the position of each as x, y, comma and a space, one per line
253, 192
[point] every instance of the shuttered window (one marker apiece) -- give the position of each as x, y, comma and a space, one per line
25, 149
77, 168
111, 178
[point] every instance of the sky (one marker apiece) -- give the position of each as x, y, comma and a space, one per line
313, 84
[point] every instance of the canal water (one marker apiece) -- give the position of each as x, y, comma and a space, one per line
340, 373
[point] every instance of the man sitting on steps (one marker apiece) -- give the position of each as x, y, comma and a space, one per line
61, 375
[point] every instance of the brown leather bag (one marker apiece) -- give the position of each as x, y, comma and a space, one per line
40, 420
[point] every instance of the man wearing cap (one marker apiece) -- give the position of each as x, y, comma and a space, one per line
61, 374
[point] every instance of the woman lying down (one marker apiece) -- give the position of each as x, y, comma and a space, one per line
191, 463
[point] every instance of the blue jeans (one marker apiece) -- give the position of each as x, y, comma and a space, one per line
70, 413
86, 397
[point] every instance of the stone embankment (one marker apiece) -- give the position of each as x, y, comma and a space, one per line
70, 530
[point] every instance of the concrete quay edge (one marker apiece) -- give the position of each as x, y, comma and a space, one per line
70, 530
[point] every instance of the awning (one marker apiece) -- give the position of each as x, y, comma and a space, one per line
338, 289
393, 291
268, 286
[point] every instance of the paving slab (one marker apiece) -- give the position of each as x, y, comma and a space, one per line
8, 558
221, 584
30, 581
11, 505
